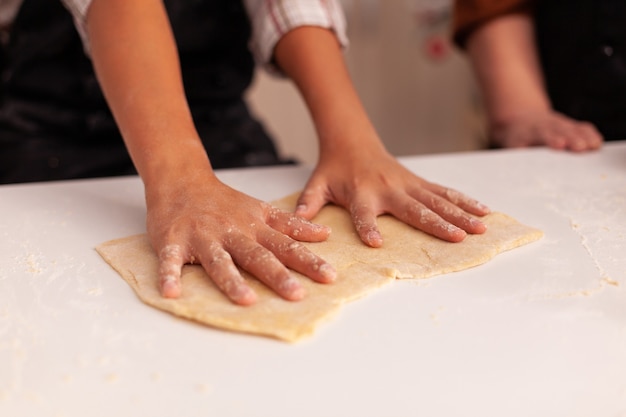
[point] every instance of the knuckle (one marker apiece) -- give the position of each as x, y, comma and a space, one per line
171, 253
420, 212
291, 248
217, 255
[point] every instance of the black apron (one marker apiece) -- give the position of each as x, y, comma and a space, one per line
582, 46
55, 123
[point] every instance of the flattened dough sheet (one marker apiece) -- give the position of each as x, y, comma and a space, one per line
407, 253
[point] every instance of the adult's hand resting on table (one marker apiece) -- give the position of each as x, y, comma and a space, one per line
504, 54
209, 223
371, 185
547, 128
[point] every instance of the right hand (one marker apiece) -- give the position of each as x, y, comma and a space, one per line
202, 220
547, 128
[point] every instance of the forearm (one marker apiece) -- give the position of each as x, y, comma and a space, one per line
136, 61
313, 59
504, 57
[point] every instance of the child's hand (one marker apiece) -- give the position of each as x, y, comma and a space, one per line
368, 186
206, 222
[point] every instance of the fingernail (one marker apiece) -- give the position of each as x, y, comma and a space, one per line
300, 208
374, 237
170, 287
292, 289
483, 207
321, 227
475, 222
244, 296
451, 229
328, 272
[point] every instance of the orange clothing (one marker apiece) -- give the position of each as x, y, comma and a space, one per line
469, 15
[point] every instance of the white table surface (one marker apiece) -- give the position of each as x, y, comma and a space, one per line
538, 331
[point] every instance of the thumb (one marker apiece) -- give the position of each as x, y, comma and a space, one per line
310, 202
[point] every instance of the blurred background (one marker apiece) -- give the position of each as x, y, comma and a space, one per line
416, 86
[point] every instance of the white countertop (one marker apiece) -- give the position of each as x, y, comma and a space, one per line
538, 331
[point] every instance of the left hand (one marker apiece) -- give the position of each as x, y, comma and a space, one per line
375, 184
354, 170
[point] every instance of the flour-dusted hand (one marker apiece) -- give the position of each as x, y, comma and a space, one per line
375, 184
547, 128
192, 216
354, 169
208, 223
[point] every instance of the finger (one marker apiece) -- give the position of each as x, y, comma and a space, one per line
171, 261
261, 263
578, 144
449, 211
298, 257
416, 214
310, 202
461, 200
297, 227
575, 136
593, 138
222, 270
364, 219
554, 140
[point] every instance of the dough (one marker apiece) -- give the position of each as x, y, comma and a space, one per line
407, 253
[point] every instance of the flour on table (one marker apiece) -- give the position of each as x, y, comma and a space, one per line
406, 254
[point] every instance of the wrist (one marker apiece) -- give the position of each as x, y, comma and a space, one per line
168, 170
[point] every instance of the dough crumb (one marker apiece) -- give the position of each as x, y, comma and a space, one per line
97, 291
204, 388
32, 264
